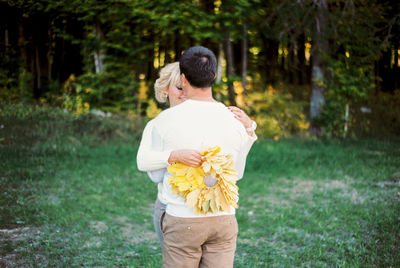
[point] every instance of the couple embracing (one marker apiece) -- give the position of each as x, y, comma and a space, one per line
194, 135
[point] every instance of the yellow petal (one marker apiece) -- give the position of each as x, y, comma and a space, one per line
206, 206
213, 204
191, 198
206, 166
221, 201
178, 169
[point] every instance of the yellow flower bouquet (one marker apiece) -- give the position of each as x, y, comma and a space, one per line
190, 183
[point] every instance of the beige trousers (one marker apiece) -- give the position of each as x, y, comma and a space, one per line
199, 242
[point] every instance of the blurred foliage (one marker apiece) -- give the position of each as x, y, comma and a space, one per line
108, 90
74, 98
16, 88
276, 112
348, 83
135, 39
381, 118
152, 110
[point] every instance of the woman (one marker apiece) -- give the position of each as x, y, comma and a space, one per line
154, 162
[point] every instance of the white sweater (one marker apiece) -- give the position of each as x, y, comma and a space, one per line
193, 125
151, 160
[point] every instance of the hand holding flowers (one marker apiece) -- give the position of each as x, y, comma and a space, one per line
189, 182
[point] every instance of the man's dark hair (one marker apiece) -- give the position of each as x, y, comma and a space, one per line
199, 66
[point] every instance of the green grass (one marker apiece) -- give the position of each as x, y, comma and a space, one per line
71, 195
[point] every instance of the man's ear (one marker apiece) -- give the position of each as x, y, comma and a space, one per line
184, 81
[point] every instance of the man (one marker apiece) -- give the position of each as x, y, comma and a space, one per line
189, 239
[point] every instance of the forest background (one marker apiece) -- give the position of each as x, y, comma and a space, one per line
326, 67
76, 90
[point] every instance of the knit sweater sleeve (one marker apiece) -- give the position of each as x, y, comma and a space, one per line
150, 156
241, 159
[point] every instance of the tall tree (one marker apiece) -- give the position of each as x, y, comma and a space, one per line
244, 57
319, 47
230, 69
99, 51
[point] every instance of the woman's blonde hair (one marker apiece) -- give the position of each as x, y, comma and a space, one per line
168, 75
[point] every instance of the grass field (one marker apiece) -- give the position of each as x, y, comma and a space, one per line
71, 195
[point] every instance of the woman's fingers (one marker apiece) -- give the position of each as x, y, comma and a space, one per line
235, 109
241, 116
190, 157
237, 114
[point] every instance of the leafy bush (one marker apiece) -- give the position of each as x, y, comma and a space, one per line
346, 85
48, 126
152, 109
380, 116
16, 86
276, 113
75, 97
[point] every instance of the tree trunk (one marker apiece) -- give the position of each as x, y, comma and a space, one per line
301, 58
177, 45
22, 42
384, 70
61, 57
346, 120
159, 54
270, 52
319, 46
396, 68
230, 69
50, 52
150, 64
283, 60
219, 63
6, 39
167, 49
38, 70
150, 70
292, 64
98, 54
244, 58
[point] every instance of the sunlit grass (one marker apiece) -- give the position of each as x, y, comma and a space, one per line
76, 198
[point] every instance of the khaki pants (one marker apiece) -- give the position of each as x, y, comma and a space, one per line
199, 242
